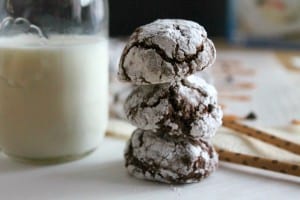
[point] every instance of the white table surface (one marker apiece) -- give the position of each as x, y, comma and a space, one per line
102, 174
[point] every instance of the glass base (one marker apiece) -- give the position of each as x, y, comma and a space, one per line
51, 160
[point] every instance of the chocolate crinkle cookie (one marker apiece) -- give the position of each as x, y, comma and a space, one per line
164, 51
161, 158
175, 110
185, 108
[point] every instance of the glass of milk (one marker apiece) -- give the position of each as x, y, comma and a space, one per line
53, 78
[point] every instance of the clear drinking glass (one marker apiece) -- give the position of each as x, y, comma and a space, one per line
53, 78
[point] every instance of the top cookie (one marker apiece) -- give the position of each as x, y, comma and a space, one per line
164, 51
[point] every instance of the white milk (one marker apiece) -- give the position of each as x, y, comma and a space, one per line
54, 97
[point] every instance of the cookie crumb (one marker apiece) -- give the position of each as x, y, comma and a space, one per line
251, 116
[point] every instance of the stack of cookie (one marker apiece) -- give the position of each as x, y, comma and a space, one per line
176, 111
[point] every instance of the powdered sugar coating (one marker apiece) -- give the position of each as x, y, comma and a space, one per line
185, 108
164, 51
177, 160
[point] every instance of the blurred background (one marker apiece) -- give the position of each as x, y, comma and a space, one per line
250, 22
126, 15
268, 23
